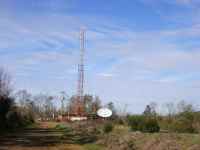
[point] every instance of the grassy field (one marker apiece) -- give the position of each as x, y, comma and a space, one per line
59, 136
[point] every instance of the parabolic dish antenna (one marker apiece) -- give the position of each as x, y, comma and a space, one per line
104, 112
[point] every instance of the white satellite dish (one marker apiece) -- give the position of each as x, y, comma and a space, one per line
104, 112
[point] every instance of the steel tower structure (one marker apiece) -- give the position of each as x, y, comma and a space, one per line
81, 65
79, 105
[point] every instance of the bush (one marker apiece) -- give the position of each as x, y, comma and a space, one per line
117, 141
143, 123
151, 125
108, 127
184, 123
16, 118
5, 105
136, 122
120, 121
63, 128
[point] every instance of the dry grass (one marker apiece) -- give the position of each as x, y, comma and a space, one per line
46, 137
121, 138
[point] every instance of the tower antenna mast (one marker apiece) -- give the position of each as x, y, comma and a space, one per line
80, 90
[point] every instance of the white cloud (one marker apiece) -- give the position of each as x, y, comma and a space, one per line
106, 75
124, 65
188, 2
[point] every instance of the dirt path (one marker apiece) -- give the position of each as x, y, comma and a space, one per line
36, 139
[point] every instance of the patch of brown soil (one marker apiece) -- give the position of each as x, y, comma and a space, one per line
194, 147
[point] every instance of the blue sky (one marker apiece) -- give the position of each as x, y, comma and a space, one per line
137, 51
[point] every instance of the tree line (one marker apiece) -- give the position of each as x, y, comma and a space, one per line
21, 108
181, 117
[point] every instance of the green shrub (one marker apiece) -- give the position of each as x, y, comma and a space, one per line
136, 122
60, 127
5, 104
143, 123
15, 118
63, 128
151, 125
183, 124
108, 127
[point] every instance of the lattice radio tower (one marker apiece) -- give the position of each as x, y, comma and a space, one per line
80, 89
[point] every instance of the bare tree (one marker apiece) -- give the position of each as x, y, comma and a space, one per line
64, 102
183, 106
147, 111
153, 106
6, 101
5, 87
88, 101
96, 104
23, 98
49, 107
171, 110
122, 109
